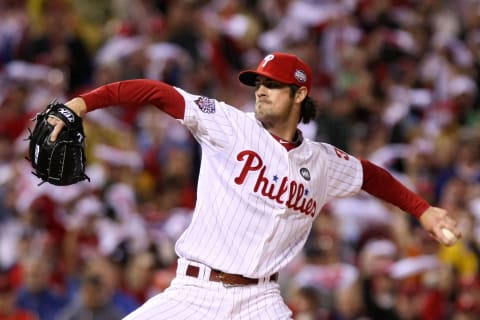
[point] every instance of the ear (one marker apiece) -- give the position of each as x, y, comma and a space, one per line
300, 95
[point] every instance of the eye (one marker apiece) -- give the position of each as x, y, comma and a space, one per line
274, 85
270, 84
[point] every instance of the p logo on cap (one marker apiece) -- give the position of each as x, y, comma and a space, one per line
267, 59
281, 67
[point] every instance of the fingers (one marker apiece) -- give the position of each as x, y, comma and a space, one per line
435, 221
447, 238
447, 234
451, 225
58, 126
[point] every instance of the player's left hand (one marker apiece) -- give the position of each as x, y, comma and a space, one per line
58, 160
434, 220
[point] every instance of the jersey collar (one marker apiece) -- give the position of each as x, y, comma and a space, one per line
289, 145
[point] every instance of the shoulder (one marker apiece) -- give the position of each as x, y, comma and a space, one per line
318, 147
208, 106
333, 150
328, 152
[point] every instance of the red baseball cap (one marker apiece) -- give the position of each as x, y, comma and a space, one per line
282, 67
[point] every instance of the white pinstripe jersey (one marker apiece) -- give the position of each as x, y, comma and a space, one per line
256, 201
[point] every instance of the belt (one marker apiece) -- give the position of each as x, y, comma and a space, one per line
228, 279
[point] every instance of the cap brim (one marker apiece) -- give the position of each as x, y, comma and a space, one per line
248, 77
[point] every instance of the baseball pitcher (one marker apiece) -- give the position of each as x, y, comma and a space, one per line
260, 187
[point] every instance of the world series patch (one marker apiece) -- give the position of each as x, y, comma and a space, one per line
206, 105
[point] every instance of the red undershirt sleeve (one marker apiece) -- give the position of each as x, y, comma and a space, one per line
381, 184
137, 92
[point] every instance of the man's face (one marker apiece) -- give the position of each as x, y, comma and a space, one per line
273, 101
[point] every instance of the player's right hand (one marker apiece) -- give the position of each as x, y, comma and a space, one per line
434, 220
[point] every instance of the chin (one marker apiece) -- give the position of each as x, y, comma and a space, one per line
263, 119
259, 115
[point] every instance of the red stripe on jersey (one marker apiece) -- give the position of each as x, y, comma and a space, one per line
288, 144
137, 92
381, 184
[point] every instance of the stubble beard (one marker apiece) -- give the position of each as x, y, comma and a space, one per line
263, 116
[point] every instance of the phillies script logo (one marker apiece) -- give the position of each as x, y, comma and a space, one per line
291, 193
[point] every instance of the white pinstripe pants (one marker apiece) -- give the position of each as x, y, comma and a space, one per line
198, 298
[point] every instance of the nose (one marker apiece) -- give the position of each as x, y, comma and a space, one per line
261, 90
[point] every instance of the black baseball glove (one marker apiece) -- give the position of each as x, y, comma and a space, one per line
61, 162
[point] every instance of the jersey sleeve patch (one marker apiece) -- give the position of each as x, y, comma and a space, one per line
205, 105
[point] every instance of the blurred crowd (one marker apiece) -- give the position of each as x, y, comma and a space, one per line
396, 81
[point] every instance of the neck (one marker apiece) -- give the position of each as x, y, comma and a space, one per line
289, 144
284, 127
286, 131
287, 135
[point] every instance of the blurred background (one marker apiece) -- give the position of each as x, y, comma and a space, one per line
397, 83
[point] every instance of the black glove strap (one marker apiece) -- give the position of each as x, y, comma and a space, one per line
68, 116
